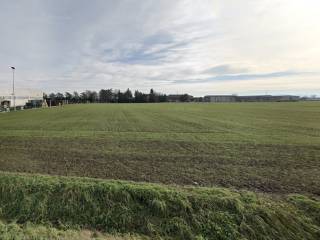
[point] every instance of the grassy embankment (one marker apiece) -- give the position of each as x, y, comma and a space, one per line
157, 211
29, 231
270, 147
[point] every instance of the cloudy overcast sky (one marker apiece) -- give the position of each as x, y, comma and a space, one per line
195, 46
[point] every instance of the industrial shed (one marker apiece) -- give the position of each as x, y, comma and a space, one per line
251, 98
23, 97
220, 98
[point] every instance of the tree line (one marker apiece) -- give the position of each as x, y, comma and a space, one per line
106, 96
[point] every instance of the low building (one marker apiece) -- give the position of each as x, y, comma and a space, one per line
289, 98
220, 98
179, 98
23, 97
198, 99
268, 98
255, 98
313, 98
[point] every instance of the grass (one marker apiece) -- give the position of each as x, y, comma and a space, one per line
268, 147
60, 204
29, 231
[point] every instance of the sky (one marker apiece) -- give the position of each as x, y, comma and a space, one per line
199, 47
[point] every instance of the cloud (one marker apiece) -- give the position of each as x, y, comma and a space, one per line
154, 49
224, 69
240, 77
173, 46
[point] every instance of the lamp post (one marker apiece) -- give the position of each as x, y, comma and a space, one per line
13, 93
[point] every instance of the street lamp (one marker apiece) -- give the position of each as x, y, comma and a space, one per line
13, 94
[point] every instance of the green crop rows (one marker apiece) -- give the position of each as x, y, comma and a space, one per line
269, 147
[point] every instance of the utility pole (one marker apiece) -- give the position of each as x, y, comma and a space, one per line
13, 93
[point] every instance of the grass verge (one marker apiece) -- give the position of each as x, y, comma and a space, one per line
29, 231
156, 211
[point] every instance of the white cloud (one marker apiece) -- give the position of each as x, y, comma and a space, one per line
78, 45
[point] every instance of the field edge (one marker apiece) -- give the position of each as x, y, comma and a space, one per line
165, 212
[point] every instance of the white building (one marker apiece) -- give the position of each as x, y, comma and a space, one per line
22, 97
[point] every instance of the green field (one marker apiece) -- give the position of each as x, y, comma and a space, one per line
269, 147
